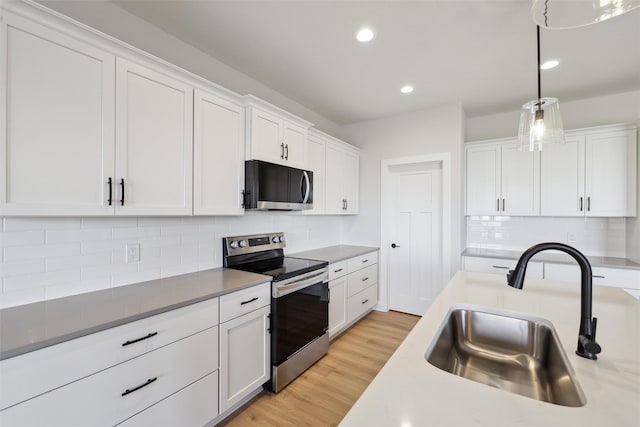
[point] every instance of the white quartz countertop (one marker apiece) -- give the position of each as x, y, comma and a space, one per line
410, 392
335, 253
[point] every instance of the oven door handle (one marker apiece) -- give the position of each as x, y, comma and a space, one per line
282, 290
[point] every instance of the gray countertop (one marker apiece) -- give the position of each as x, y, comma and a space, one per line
34, 326
332, 254
553, 257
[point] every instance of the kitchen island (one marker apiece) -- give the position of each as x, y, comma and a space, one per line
409, 391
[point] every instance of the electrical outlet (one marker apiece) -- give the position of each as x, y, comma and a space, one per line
571, 237
133, 252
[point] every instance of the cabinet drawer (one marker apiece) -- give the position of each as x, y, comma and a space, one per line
194, 406
244, 301
337, 269
616, 277
115, 394
42, 370
362, 279
501, 266
362, 261
362, 302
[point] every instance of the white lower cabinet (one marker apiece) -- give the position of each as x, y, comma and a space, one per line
194, 405
115, 394
245, 345
354, 290
501, 266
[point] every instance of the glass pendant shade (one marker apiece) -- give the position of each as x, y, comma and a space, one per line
540, 124
559, 14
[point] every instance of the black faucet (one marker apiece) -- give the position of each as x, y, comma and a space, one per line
587, 345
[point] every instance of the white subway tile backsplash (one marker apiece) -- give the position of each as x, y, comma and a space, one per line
46, 258
41, 251
21, 238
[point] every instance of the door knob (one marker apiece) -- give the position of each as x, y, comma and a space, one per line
393, 245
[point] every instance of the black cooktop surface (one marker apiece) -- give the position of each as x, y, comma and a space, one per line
283, 268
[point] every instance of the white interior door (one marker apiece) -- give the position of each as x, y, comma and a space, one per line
415, 265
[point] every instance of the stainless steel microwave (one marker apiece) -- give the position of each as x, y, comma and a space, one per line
268, 186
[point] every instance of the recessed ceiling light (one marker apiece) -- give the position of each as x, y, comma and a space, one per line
406, 89
364, 35
552, 63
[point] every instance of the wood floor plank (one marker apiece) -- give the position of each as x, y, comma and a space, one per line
323, 395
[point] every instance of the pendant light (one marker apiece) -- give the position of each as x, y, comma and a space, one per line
540, 121
573, 13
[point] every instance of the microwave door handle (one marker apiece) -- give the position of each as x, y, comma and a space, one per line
308, 186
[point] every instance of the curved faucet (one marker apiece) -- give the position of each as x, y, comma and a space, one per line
587, 345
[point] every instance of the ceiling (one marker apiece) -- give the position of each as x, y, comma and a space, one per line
478, 52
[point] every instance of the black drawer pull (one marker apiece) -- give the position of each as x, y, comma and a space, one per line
151, 334
499, 266
338, 270
364, 279
365, 301
122, 187
131, 390
251, 300
598, 277
365, 260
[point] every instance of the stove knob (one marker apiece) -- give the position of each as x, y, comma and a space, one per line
274, 239
281, 238
233, 244
243, 243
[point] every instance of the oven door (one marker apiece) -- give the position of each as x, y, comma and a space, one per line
300, 314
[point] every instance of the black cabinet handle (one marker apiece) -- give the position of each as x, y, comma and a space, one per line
499, 266
286, 147
598, 277
338, 270
110, 200
131, 390
251, 300
580, 204
503, 205
152, 334
122, 187
282, 151
393, 245
589, 204
498, 205
364, 279
365, 260
365, 301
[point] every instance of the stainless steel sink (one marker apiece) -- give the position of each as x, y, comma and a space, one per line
516, 354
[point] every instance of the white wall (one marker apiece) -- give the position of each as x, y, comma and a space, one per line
633, 224
47, 258
603, 110
431, 131
124, 26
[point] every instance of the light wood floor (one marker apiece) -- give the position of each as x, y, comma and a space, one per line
323, 395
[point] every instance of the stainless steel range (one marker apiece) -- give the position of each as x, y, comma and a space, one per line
299, 302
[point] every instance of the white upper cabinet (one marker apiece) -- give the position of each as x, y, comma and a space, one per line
218, 155
275, 136
502, 180
57, 121
316, 162
154, 142
592, 174
341, 179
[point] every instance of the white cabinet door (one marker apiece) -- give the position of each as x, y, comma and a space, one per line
520, 183
218, 155
333, 181
610, 174
244, 356
337, 305
266, 139
57, 121
350, 181
154, 142
483, 180
295, 145
562, 178
315, 163
341, 180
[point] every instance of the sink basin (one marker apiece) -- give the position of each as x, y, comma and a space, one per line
513, 353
